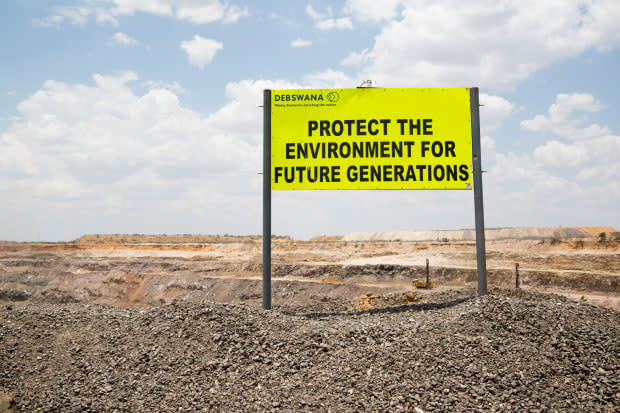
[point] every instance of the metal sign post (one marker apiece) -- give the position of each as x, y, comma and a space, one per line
267, 199
481, 257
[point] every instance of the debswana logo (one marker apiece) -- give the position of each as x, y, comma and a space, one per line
299, 97
333, 96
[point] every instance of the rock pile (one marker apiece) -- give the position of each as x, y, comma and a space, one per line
455, 352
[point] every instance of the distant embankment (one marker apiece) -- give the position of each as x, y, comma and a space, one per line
169, 239
491, 234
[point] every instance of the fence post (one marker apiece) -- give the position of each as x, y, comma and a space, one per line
517, 275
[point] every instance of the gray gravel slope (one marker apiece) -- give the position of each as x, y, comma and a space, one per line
506, 351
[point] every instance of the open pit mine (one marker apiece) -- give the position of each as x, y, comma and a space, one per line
139, 323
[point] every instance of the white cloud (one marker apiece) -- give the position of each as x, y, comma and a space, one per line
570, 174
355, 58
329, 79
234, 13
488, 147
282, 19
71, 14
590, 152
174, 86
560, 122
326, 21
594, 158
137, 162
207, 12
520, 190
102, 149
107, 11
342, 23
121, 7
313, 13
300, 43
487, 43
240, 115
124, 39
523, 173
87, 139
200, 50
71, 127
556, 154
104, 16
372, 10
493, 112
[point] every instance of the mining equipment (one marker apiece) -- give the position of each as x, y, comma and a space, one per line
424, 284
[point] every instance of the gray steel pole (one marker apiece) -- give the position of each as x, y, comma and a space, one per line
478, 204
267, 199
517, 275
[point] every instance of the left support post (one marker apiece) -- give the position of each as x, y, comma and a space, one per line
267, 199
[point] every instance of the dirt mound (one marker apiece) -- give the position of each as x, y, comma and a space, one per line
326, 238
596, 231
491, 234
454, 352
371, 301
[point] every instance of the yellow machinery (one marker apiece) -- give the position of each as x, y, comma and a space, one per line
424, 284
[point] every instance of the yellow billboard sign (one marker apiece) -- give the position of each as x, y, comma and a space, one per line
371, 138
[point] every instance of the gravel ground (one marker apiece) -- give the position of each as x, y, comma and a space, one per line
508, 351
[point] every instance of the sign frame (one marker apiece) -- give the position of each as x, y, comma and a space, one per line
371, 139
477, 190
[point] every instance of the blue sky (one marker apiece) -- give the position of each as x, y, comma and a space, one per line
125, 116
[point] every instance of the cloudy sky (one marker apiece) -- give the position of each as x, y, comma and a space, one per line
134, 116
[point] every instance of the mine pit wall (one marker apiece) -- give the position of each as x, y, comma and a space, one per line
451, 276
138, 282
